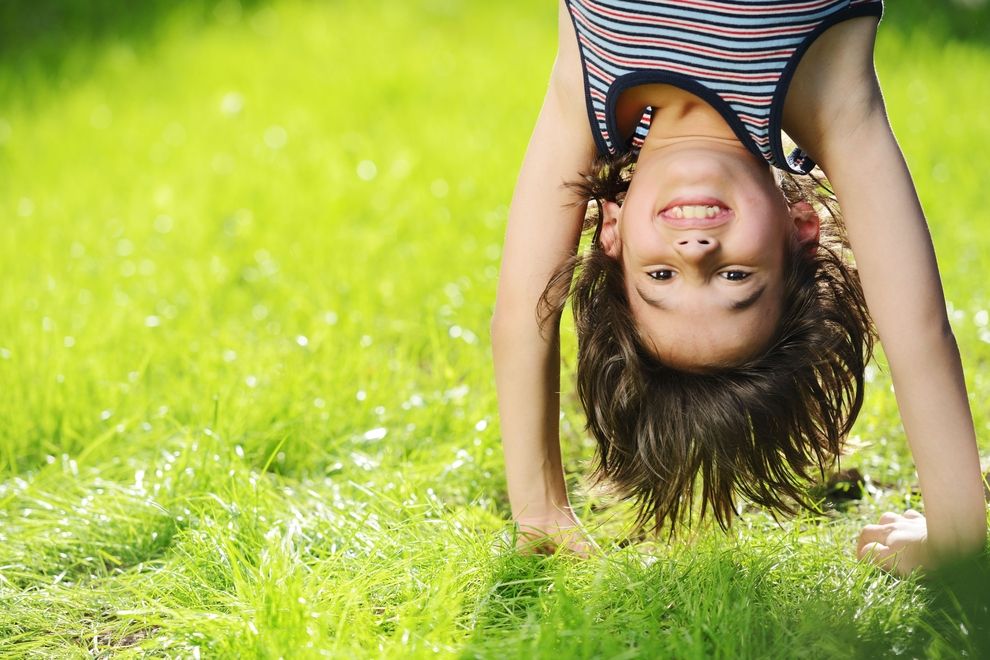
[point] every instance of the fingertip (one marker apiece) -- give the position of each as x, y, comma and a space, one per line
889, 562
872, 551
873, 533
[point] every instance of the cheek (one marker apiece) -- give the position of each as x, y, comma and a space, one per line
767, 227
763, 201
769, 238
640, 242
640, 201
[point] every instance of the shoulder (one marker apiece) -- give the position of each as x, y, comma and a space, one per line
843, 50
567, 79
834, 84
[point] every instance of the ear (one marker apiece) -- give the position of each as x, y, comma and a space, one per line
807, 226
610, 240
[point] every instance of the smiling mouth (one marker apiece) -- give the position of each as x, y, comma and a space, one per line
701, 213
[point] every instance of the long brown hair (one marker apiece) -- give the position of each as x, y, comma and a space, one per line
756, 429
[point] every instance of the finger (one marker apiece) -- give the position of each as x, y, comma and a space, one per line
875, 553
882, 556
911, 513
532, 540
541, 545
581, 550
889, 517
585, 548
868, 551
578, 543
873, 534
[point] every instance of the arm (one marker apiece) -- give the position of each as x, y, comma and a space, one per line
850, 137
543, 232
896, 261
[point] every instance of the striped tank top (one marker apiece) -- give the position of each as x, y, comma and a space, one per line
737, 55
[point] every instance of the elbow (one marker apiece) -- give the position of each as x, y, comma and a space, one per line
916, 327
504, 328
504, 316
496, 330
940, 330
937, 329
928, 342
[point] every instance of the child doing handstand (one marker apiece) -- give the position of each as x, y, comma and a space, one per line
722, 331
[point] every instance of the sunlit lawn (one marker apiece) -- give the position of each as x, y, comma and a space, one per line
247, 267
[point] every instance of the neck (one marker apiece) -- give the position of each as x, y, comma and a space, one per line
679, 116
667, 142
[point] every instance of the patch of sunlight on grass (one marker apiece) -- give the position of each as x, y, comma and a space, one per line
248, 406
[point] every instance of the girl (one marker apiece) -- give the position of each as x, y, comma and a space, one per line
722, 336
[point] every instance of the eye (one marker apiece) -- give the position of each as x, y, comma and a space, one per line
662, 274
734, 275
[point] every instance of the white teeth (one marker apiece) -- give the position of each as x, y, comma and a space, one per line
693, 211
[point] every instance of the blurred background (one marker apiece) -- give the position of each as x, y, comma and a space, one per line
180, 177
248, 255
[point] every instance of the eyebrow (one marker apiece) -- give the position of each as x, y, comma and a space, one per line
735, 306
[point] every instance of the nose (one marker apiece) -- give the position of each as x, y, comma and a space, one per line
695, 249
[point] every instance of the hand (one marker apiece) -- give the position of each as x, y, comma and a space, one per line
545, 535
899, 544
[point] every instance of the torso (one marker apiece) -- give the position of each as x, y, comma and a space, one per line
663, 99
750, 93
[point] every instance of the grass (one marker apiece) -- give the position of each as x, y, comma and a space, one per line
249, 259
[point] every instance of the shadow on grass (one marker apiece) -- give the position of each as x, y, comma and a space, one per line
725, 605
959, 616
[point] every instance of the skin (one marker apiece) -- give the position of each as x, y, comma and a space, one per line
898, 544
834, 110
686, 279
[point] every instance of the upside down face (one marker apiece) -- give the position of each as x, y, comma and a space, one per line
703, 236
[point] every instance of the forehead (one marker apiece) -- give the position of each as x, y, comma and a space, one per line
701, 335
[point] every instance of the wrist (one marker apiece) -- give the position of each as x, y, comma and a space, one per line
957, 526
543, 512
957, 543
540, 495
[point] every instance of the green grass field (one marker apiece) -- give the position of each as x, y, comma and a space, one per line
248, 260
